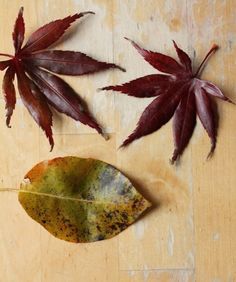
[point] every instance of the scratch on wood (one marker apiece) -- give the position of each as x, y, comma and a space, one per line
171, 240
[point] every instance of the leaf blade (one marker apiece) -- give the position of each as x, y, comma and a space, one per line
90, 200
33, 100
184, 58
5, 64
183, 123
62, 97
67, 62
143, 87
9, 93
213, 90
159, 61
48, 34
19, 31
159, 111
206, 116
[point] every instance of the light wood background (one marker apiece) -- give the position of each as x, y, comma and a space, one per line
190, 234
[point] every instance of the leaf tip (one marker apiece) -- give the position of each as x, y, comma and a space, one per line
172, 161
104, 88
114, 66
21, 10
87, 13
210, 154
120, 68
215, 47
229, 101
131, 41
123, 145
105, 136
174, 43
148, 204
175, 158
51, 148
8, 119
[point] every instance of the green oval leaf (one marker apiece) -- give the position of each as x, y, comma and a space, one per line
80, 200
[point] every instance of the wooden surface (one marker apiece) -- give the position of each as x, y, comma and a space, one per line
190, 233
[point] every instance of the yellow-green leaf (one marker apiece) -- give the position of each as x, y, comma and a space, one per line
80, 200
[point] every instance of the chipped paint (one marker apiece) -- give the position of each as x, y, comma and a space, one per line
145, 273
139, 229
216, 280
171, 241
216, 236
190, 259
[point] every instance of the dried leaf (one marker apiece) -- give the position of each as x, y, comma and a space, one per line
67, 62
80, 200
49, 33
181, 93
19, 31
33, 100
44, 88
62, 97
9, 93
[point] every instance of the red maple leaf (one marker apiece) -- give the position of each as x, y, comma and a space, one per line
40, 89
180, 93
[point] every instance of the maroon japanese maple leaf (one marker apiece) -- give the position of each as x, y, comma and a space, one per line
40, 89
180, 93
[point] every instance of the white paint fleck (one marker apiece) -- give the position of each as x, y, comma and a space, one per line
145, 273
139, 229
190, 222
190, 259
25, 181
231, 278
171, 240
216, 236
216, 280
78, 124
131, 273
19, 102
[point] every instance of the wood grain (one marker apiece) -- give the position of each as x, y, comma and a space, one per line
190, 233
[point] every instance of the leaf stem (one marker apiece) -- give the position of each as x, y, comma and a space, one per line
212, 50
9, 190
6, 55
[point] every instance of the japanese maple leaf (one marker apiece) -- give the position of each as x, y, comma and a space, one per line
180, 93
40, 89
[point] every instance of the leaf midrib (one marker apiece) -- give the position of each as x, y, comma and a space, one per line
36, 41
68, 198
53, 89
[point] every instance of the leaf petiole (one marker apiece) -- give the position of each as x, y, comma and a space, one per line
6, 55
212, 50
9, 190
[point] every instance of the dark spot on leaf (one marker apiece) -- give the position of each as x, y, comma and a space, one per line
124, 215
99, 238
113, 227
